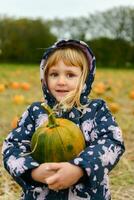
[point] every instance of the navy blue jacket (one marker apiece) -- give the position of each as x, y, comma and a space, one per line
103, 137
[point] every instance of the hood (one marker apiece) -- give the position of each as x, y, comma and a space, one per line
49, 99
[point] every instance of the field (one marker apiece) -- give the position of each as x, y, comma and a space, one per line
20, 86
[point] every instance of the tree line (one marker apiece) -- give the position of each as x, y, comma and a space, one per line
110, 34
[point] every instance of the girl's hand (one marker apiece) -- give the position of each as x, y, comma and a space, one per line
42, 172
67, 174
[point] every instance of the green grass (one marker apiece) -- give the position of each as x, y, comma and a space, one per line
118, 84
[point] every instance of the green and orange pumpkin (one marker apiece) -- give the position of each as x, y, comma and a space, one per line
57, 140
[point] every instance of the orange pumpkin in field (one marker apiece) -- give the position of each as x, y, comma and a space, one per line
114, 107
131, 94
18, 99
99, 88
15, 85
2, 87
25, 86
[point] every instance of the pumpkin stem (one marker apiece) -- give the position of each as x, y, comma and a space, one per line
51, 117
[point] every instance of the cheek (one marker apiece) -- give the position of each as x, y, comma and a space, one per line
49, 83
73, 84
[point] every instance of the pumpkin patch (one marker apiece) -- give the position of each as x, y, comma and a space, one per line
122, 186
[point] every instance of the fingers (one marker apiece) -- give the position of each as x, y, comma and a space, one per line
52, 179
53, 166
55, 183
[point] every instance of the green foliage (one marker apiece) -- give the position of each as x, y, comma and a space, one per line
110, 34
113, 52
24, 40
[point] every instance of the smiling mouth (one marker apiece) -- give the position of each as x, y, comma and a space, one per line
62, 91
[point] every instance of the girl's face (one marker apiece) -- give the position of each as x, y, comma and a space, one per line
62, 79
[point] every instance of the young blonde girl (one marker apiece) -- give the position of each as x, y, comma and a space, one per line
67, 73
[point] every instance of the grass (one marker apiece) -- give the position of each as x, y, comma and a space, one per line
118, 84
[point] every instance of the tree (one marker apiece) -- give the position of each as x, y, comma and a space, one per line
116, 23
24, 40
74, 28
112, 52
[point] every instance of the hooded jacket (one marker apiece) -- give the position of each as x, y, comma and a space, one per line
104, 143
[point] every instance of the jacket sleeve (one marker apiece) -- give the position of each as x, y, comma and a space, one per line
15, 146
105, 148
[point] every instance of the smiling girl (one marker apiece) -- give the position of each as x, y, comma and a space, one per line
67, 72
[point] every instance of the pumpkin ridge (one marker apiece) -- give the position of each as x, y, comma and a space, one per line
59, 143
76, 128
60, 136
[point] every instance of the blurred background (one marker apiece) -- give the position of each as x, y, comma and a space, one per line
27, 28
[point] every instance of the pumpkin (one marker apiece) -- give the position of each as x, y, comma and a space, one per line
131, 94
15, 85
18, 99
114, 107
2, 87
100, 88
57, 140
25, 86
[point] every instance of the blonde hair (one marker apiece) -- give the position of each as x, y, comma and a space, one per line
71, 56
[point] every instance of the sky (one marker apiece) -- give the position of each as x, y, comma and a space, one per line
49, 9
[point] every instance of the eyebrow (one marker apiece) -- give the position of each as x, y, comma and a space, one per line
66, 71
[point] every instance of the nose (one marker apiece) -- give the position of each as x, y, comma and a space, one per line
61, 80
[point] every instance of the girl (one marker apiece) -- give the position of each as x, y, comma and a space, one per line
67, 73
